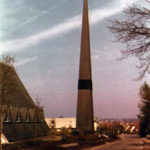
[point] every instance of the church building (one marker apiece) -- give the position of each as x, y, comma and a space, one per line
21, 117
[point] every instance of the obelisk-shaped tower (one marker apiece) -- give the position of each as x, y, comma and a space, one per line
84, 121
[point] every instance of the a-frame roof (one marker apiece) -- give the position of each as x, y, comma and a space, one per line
15, 92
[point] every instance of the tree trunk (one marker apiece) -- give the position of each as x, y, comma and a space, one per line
1, 128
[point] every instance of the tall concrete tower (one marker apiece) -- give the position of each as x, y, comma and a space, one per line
85, 99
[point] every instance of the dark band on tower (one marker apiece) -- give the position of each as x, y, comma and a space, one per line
85, 84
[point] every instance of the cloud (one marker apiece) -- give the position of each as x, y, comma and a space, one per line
25, 23
67, 25
64, 27
32, 19
25, 61
104, 56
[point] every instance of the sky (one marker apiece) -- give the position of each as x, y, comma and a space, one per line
44, 36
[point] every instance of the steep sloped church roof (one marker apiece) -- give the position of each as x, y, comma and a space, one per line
16, 93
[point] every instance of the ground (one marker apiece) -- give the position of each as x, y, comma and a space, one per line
126, 142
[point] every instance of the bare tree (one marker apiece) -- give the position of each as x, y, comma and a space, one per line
6, 86
134, 32
38, 109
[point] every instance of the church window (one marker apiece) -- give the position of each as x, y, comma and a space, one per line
19, 117
7, 117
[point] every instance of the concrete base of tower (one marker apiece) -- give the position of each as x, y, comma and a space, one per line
85, 122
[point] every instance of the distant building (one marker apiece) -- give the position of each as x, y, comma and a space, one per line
63, 123
22, 119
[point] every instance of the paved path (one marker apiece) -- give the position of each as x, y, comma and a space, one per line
128, 142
